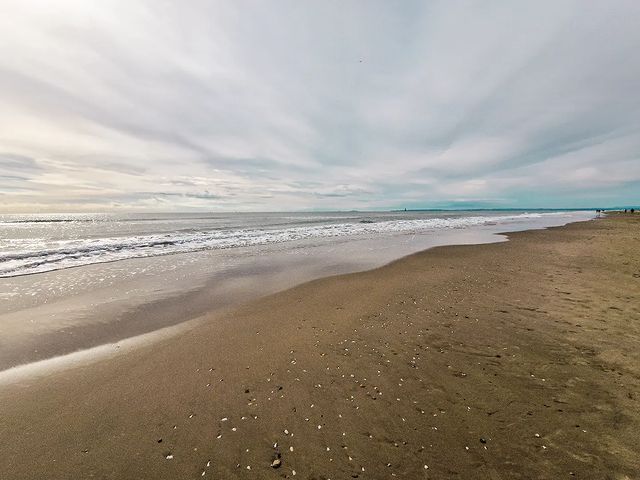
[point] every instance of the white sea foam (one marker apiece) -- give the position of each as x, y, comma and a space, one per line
25, 256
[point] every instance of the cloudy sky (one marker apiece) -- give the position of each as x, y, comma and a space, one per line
289, 105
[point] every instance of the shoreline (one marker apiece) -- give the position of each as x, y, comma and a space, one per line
112, 323
505, 360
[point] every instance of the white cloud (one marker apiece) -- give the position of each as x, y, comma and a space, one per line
288, 105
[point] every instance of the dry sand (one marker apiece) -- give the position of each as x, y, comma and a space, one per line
510, 360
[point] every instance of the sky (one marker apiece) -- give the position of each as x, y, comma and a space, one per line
240, 105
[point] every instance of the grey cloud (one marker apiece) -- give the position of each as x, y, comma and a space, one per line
13, 162
13, 178
205, 195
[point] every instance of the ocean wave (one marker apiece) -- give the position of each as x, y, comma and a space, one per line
77, 252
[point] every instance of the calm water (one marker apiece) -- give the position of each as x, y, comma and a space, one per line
40, 243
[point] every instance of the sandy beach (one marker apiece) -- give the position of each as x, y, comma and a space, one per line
498, 361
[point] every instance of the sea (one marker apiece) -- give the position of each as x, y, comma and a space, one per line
37, 243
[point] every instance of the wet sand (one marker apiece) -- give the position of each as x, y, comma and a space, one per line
508, 360
64, 311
